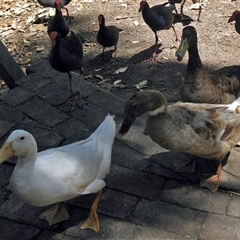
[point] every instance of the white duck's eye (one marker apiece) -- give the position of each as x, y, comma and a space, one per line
22, 138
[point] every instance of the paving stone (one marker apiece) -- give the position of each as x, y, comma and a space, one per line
143, 233
54, 236
124, 156
5, 127
9, 114
33, 82
15, 209
53, 94
134, 182
110, 102
229, 182
173, 218
110, 228
5, 173
219, 227
91, 115
38, 67
15, 231
112, 203
4, 196
43, 112
17, 95
233, 205
117, 204
196, 198
73, 130
86, 88
230, 178
140, 142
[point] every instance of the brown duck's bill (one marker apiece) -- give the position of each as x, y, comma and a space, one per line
182, 49
126, 125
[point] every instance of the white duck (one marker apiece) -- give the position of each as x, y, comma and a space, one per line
59, 174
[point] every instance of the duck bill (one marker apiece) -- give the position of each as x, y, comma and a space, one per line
6, 152
126, 125
231, 19
182, 49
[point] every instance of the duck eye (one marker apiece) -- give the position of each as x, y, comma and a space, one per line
135, 106
22, 138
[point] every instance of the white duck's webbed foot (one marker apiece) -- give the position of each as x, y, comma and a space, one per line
92, 221
56, 214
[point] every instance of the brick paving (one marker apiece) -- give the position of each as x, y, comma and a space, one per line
144, 198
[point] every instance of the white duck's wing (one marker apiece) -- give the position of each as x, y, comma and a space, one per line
77, 167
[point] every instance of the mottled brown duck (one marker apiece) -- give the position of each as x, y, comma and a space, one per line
208, 131
198, 84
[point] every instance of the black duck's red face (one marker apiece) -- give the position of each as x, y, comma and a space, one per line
58, 5
100, 18
142, 3
233, 17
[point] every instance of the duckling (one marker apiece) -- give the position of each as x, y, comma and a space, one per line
59, 174
198, 85
208, 131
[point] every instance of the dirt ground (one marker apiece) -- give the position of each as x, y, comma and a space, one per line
218, 42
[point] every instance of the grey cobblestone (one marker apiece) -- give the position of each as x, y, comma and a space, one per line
145, 197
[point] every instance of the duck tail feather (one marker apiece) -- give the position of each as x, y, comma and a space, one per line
106, 130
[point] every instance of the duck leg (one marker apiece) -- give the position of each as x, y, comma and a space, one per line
213, 182
199, 12
55, 214
92, 221
77, 95
182, 7
154, 56
177, 41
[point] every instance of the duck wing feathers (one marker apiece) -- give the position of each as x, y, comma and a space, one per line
205, 130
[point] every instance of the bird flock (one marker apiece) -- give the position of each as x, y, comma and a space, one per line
205, 123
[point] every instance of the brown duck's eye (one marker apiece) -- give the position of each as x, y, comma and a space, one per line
22, 138
135, 106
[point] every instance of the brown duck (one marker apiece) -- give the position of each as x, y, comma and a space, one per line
208, 131
107, 36
198, 85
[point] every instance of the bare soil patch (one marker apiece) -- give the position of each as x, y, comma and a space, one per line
24, 25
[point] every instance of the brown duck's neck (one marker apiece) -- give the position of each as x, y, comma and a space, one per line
237, 23
159, 105
194, 60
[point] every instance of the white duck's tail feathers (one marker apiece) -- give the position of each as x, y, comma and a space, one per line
106, 130
105, 134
